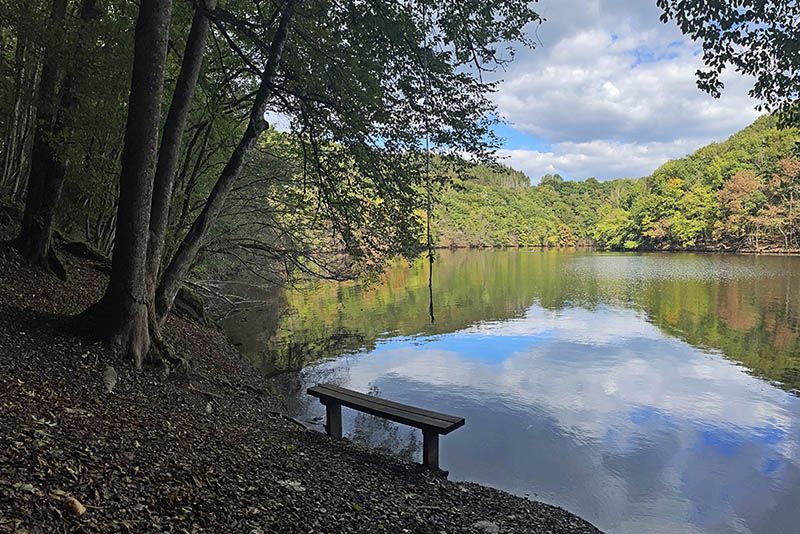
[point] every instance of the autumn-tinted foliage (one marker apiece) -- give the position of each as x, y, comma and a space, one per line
740, 194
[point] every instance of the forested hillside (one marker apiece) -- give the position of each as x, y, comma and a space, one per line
475, 211
736, 195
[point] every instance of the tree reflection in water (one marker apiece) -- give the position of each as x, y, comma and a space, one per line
384, 435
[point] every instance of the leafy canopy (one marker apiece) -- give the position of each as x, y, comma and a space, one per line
759, 38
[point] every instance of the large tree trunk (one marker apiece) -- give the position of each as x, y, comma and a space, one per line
48, 171
184, 257
43, 154
171, 140
121, 315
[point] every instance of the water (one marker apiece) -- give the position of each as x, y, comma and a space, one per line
646, 393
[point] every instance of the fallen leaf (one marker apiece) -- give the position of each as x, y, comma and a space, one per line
74, 505
42, 421
292, 484
25, 487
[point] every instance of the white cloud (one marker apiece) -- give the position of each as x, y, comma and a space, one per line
633, 433
279, 121
601, 158
612, 90
619, 375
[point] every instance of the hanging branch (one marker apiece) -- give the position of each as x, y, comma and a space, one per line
429, 207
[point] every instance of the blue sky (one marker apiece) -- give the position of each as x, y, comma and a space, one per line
516, 139
610, 92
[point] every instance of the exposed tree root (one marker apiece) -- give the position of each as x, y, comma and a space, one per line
55, 265
209, 394
160, 349
49, 262
139, 337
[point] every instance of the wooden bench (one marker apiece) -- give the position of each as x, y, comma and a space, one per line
432, 423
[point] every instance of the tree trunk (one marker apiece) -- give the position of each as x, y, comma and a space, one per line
194, 177
121, 314
11, 137
189, 153
16, 137
48, 172
178, 268
45, 115
172, 138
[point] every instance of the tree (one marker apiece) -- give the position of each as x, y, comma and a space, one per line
741, 201
755, 37
362, 83
122, 313
181, 262
20, 68
43, 185
352, 82
171, 139
616, 229
691, 222
48, 170
782, 191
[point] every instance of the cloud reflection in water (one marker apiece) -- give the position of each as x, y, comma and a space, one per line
602, 413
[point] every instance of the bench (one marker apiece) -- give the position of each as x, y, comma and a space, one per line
432, 424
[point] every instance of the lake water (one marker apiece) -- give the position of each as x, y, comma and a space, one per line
643, 392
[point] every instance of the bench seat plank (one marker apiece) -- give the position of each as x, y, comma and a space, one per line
331, 389
378, 400
395, 411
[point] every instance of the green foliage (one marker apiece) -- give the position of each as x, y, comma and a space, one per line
735, 195
757, 38
616, 229
685, 202
361, 85
496, 206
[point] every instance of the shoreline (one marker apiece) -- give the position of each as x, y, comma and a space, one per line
212, 450
743, 252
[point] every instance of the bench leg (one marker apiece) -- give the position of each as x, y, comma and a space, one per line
430, 449
334, 414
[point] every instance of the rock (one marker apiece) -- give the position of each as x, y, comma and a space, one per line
74, 505
292, 484
487, 526
110, 378
209, 409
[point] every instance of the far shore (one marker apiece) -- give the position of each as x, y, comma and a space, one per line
699, 250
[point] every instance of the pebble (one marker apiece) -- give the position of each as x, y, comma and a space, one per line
487, 526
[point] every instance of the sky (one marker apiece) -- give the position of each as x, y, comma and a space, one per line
610, 91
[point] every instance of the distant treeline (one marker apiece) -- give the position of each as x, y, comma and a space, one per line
740, 194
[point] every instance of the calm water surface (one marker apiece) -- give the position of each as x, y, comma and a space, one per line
646, 393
